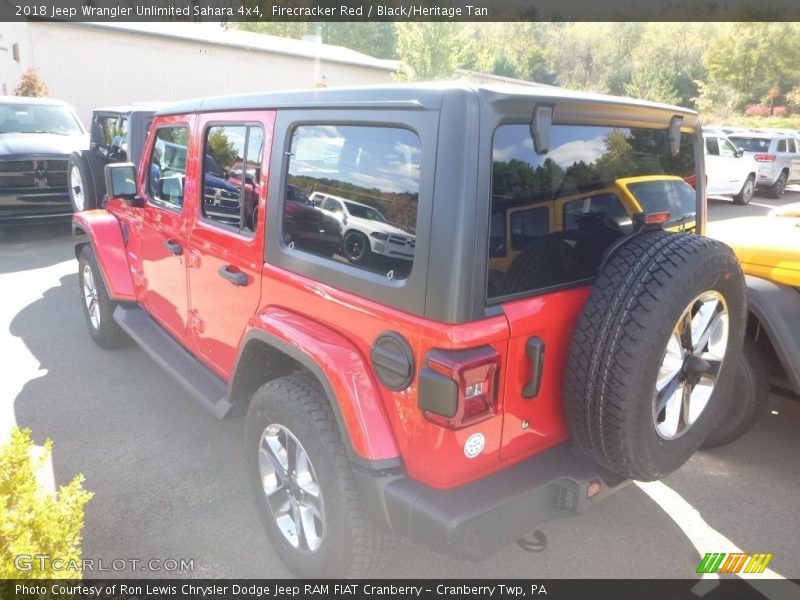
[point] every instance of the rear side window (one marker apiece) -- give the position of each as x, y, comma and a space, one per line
751, 144
232, 176
580, 182
168, 167
352, 195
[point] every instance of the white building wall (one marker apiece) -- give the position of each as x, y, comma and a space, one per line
90, 67
11, 70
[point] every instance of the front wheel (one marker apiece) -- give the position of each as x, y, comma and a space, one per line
746, 193
304, 488
98, 308
356, 247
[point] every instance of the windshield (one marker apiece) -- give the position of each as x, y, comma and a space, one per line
364, 212
751, 144
37, 118
666, 195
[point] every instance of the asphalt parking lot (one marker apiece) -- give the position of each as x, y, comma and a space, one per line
169, 482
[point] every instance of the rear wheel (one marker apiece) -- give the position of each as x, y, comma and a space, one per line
777, 189
305, 492
746, 402
660, 332
746, 193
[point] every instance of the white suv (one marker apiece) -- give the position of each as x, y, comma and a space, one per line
365, 231
778, 158
729, 171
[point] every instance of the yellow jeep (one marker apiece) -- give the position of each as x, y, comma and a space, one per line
768, 249
540, 238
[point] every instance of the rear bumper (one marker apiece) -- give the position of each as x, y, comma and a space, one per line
479, 519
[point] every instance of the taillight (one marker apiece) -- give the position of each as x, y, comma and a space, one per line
459, 387
655, 218
764, 157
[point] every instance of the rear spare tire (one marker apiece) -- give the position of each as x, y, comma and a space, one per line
85, 189
661, 328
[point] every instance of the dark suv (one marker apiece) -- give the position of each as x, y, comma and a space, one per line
37, 136
459, 396
117, 134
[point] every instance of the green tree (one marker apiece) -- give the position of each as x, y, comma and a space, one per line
374, 39
222, 149
432, 50
653, 82
752, 58
288, 29
505, 66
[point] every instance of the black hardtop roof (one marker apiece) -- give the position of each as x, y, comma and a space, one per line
417, 95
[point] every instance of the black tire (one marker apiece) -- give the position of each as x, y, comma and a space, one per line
349, 544
104, 329
83, 181
636, 304
746, 402
97, 165
356, 247
746, 193
776, 190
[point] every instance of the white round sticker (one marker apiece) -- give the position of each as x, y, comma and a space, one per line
474, 445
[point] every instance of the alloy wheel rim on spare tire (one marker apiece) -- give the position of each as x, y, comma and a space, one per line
291, 488
692, 359
76, 187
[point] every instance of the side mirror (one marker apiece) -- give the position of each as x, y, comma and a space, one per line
739, 153
121, 183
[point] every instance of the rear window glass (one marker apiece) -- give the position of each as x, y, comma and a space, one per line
672, 196
751, 144
352, 196
579, 184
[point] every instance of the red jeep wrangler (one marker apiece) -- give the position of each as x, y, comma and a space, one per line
531, 346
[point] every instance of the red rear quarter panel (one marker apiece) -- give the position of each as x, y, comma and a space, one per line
382, 422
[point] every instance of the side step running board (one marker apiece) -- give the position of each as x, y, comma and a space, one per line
194, 377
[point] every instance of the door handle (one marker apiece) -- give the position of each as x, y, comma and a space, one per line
173, 247
235, 277
535, 351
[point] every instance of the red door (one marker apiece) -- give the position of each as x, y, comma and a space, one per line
226, 243
164, 226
